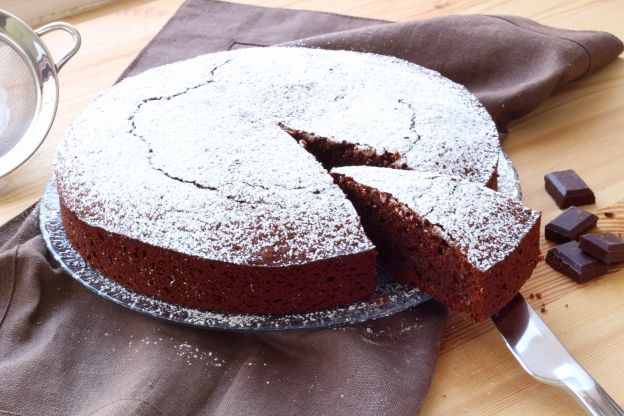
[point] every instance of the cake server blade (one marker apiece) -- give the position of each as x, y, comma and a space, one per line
543, 356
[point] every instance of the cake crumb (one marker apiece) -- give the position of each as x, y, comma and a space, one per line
538, 295
609, 214
531, 296
566, 305
543, 308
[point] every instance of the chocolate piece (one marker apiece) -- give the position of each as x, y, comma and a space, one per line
567, 188
609, 214
606, 247
570, 225
570, 260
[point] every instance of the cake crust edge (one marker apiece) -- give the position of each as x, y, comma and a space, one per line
219, 286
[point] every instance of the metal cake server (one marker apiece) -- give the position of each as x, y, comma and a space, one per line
543, 356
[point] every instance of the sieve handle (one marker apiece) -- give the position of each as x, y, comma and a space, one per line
66, 27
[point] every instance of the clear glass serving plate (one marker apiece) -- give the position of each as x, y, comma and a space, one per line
389, 297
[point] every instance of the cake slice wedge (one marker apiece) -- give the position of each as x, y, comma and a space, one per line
468, 246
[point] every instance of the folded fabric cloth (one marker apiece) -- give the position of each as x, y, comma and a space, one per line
64, 350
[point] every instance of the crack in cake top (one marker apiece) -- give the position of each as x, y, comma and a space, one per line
190, 156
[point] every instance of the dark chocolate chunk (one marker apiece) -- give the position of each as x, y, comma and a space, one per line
606, 247
570, 260
570, 225
567, 188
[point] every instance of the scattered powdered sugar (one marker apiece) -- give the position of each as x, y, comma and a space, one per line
191, 354
406, 327
5, 113
190, 156
184, 351
484, 224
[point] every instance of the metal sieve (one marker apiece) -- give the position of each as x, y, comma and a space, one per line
28, 87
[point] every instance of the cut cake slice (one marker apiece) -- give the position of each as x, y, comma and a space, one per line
470, 247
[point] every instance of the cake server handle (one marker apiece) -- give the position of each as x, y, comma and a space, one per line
588, 393
543, 356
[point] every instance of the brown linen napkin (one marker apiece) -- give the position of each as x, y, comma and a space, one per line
63, 350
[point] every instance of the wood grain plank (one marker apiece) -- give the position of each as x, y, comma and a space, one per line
36, 12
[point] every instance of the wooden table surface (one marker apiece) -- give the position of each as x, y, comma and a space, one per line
580, 127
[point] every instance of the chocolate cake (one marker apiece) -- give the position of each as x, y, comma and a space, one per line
469, 247
187, 182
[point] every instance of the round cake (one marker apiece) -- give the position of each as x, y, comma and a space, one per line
188, 183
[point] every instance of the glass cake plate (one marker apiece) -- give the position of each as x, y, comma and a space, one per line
389, 297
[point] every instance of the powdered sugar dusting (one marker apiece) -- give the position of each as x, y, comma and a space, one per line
195, 354
388, 105
190, 156
483, 223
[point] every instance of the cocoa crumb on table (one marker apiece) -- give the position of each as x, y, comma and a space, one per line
538, 295
531, 296
609, 214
